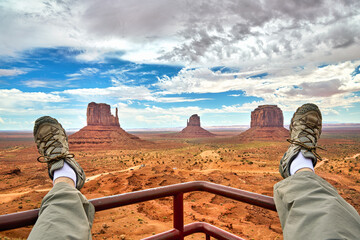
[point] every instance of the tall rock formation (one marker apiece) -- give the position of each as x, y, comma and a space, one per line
192, 130
103, 131
267, 123
267, 116
99, 114
194, 120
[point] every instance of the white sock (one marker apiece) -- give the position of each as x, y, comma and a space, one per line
65, 171
300, 162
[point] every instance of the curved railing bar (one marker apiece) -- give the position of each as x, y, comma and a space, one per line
25, 218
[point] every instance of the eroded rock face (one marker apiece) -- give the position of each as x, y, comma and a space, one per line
267, 124
103, 131
267, 116
194, 120
99, 114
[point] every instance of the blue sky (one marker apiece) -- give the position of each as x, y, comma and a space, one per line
160, 62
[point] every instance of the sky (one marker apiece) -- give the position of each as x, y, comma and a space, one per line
160, 61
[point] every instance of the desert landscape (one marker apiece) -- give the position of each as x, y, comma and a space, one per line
118, 162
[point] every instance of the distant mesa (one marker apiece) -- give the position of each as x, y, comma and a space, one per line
267, 116
194, 120
103, 130
98, 114
267, 123
192, 130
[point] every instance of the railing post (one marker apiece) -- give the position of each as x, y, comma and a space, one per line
179, 214
207, 237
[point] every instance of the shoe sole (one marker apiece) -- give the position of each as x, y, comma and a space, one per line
45, 119
306, 108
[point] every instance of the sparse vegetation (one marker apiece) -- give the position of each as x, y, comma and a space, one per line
239, 165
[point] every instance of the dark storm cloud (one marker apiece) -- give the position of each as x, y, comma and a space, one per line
281, 25
220, 32
320, 89
135, 19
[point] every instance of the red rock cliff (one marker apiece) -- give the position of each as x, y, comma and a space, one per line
99, 114
267, 116
194, 120
103, 131
267, 124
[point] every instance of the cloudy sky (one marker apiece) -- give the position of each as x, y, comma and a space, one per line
160, 61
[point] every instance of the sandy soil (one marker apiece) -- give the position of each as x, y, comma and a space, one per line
252, 166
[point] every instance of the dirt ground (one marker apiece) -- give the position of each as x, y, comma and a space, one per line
251, 166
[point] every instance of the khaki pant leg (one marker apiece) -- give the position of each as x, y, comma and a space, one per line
64, 214
310, 208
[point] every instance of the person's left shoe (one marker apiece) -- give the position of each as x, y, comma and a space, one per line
305, 130
52, 144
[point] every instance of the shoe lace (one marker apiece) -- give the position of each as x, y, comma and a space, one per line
53, 142
54, 159
303, 145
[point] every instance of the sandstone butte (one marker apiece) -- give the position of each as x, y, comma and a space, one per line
267, 123
193, 129
104, 129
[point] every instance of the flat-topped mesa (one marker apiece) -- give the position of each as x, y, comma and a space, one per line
267, 123
99, 114
267, 116
194, 120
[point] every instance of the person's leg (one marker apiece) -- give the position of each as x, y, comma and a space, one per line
65, 213
308, 206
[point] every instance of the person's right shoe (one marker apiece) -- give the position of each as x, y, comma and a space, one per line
305, 130
52, 144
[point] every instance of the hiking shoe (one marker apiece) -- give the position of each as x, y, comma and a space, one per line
305, 130
52, 144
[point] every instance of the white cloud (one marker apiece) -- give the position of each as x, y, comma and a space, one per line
83, 72
11, 72
88, 71
199, 80
119, 92
1, 120
45, 24
179, 99
13, 99
123, 92
330, 86
37, 83
47, 83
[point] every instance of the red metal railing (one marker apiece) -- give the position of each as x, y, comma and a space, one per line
21, 219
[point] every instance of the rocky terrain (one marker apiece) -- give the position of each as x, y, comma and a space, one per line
252, 166
267, 124
117, 162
